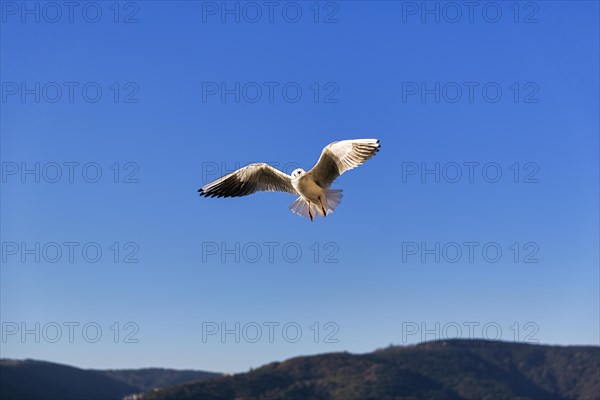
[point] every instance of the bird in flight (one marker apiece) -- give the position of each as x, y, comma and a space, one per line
316, 198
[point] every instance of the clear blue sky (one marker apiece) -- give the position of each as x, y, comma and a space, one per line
376, 71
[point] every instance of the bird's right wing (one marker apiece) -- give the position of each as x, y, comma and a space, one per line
248, 180
339, 157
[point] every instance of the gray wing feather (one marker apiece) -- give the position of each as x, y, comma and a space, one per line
248, 180
339, 157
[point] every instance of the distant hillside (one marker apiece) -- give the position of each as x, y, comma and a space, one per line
148, 378
456, 369
33, 380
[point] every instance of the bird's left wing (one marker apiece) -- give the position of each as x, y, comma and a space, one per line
339, 157
248, 180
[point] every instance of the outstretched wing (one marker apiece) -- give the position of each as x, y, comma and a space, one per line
248, 180
339, 157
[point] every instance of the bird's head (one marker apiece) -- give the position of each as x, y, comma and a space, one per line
298, 172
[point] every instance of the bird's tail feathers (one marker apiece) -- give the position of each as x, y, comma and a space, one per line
300, 207
333, 197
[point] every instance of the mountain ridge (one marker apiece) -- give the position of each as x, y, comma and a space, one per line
36, 379
445, 369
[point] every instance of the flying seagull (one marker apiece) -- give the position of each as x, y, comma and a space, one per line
313, 186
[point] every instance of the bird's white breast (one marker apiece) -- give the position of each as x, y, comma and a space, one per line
307, 188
